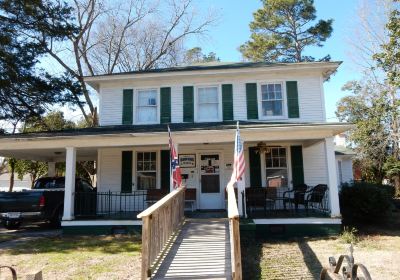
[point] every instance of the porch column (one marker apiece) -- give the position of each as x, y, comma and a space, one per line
51, 169
70, 169
332, 177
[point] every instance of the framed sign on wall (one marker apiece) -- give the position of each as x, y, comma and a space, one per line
187, 161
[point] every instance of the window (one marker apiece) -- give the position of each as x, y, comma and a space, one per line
146, 106
271, 100
276, 167
208, 104
146, 170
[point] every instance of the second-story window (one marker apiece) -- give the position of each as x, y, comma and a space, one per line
208, 104
146, 106
272, 100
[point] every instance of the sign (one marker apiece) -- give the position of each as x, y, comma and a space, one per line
187, 161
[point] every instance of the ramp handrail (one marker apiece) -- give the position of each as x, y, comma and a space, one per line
159, 222
234, 232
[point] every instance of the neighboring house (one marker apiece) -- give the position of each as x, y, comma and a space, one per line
19, 185
281, 109
344, 159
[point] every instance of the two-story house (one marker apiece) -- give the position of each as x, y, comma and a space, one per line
281, 112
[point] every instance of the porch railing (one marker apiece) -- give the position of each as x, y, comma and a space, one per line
109, 205
234, 232
159, 223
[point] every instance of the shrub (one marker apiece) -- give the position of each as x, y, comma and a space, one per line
364, 203
349, 235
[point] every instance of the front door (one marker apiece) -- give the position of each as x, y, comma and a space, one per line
210, 190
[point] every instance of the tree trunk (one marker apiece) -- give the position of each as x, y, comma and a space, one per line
12, 171
396, 181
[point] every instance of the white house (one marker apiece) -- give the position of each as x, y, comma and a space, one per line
281, 111
344, 159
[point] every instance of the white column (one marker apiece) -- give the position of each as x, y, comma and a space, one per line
51, 169
70, 169
332, 177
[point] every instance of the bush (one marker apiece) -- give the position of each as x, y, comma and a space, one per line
349, 235
365, 203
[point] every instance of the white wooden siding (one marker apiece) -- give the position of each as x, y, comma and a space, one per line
110, 161
311, 101
315, 167
347, 169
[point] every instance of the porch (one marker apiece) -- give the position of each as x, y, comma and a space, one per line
131, 161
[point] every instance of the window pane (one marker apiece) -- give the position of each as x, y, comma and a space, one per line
147, 98
146, 180
208, 112
272, 108
147, 114
208, 95
276, 178
278, 88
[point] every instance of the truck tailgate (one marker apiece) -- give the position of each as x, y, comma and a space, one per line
26, 201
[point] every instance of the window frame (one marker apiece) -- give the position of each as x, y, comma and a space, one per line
136, 105
288, 166
196, 102
260, 100
136, 171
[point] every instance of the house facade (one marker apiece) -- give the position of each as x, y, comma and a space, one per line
281, 113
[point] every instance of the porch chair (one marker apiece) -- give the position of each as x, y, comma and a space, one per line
190, 198
271, 194
294, 196
154, 195
315, 196
255, 198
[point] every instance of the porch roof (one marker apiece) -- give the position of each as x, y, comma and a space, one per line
51, 144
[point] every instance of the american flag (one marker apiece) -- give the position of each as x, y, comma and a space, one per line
239, 163
175, 169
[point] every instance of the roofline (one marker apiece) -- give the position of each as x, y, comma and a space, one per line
123, 130
330, 66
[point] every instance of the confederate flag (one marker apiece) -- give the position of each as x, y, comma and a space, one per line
175, 169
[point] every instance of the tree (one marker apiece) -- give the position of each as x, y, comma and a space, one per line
282, 29
196, 55
389, 61
368, 108
27, 91
35, 169
115, 36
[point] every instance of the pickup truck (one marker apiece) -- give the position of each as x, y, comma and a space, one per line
44, 202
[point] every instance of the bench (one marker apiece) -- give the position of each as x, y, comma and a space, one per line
190, 198
154, 195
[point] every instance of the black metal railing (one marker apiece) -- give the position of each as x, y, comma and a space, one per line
109, 205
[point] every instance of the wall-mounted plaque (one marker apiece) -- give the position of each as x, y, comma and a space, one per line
187, 161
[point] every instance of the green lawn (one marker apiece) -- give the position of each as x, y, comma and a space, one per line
77, 257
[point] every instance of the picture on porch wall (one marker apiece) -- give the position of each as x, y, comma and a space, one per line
187, 161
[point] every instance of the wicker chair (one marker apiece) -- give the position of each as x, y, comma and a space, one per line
255, 198
297, 197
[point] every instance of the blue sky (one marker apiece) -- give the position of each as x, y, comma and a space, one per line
232, 30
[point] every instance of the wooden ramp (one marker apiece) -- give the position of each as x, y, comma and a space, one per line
200, 251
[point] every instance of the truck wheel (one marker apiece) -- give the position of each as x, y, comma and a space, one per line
12, 224
57, 218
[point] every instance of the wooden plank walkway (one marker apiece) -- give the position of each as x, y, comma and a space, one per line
200, 251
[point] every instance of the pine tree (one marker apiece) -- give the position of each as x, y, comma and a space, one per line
282, 29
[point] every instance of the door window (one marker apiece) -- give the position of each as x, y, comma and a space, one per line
210, 174
276, 167
146, 167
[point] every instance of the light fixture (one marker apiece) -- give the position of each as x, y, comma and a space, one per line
262, 148
57, 153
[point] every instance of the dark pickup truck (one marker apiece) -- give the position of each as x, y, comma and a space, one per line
45, 202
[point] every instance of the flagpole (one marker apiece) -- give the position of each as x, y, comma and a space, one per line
171, 181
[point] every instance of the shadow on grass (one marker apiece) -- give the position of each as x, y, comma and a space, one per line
314, 266
69, 244
251, 249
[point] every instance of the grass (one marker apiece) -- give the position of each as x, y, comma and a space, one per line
377, 247
77, 257
6, 237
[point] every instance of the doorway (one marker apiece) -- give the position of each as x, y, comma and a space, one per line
210, 181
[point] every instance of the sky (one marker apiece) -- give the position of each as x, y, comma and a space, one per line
232, 30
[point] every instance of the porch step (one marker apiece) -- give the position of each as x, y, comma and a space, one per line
201, 251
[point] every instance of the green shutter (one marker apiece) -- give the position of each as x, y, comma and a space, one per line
227, 102
126, 174
296, 154
165, 172
251, 98
255, 167
165, 101
292, 99
188, 104
127, 106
